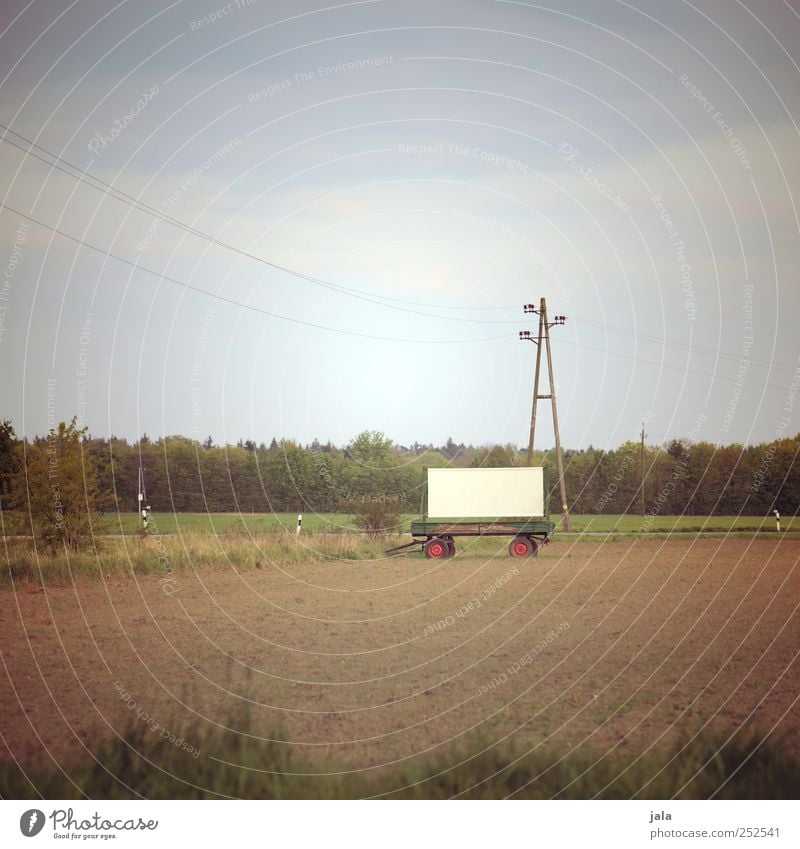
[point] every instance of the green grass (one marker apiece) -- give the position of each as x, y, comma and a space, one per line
262, 523
223, 523
672, 524
207, 523
237, 765
345, 523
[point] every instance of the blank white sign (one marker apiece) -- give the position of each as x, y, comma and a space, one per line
486, 493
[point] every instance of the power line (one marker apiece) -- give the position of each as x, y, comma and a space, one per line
370, 297
314, 325
667, 365
119, 195
224, 299
711, 352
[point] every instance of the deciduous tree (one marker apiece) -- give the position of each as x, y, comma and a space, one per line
56, 486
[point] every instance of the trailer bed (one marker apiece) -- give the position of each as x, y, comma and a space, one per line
437, 538
490, 527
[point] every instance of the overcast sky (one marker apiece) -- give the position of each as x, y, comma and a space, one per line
432, 166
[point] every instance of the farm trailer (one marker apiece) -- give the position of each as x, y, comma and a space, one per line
482, 502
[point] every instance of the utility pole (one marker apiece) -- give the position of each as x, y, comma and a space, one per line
538, 342
544, 334
641, 456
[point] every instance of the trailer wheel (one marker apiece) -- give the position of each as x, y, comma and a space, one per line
523, 547
436, 549
451, 546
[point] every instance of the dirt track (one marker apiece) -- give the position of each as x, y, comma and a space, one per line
632, 644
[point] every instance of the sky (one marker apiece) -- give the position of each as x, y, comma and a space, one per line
304, 220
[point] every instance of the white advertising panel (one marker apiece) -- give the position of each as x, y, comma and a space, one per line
486, 493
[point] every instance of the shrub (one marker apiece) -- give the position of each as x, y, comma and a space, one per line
56, 486
378, 516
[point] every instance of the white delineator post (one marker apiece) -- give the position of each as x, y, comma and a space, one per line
299, 523
140, 498
777, 521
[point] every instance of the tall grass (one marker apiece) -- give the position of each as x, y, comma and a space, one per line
154, 554
236, 765
241, 549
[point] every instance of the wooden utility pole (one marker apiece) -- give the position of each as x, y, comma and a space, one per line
536, 395
544, 334
641, 464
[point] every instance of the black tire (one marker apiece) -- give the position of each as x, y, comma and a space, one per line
451, 547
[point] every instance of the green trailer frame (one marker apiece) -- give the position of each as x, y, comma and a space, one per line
437, 537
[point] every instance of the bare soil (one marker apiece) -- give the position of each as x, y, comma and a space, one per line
359, 664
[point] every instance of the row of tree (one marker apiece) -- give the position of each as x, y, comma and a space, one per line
371, 475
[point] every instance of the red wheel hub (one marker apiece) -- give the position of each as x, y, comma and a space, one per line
436, 549
520, 549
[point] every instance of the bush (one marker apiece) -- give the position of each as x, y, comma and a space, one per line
56, 486
378, 516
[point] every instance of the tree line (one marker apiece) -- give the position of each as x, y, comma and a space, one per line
371, 473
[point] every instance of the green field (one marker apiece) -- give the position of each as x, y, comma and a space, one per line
167, 523
220, 523
671, 524
260, 523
